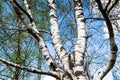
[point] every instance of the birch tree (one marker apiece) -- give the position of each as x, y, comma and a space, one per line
66, 65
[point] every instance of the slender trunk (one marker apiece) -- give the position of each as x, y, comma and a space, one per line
57, 42
62, 54
80, 46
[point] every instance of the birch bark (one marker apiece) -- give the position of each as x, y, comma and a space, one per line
33, 30
33, 25
41, 42
80, 46
62, 54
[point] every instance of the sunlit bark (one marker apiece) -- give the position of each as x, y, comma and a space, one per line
80, 46
62, 54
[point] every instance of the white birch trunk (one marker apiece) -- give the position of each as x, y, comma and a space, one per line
62, 54
81, 42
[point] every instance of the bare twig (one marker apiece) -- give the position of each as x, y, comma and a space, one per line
44, 31
112, 6
101, 18
12, 29
109, 1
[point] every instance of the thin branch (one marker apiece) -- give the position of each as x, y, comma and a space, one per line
33, 31
87, 66
24, 11
112, 6
8, 37
12, 29
113, 46
109, 1
101, 18
5, 75
107, 20
30, 69
19, 14
44, 31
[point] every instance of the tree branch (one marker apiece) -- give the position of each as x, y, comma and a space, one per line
101, 18
30, 69
19, 14
112, 6
35, 33
87, 66
24, 11
106, 7
44, 31
113, 46
12, 29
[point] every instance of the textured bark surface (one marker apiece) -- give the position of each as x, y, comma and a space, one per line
56, 34
60, 50
80, 46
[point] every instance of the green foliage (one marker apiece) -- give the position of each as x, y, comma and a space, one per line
18, 46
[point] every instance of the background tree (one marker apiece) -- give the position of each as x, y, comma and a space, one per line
16, 45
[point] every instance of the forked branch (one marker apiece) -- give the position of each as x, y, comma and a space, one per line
113, 46
113, 5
